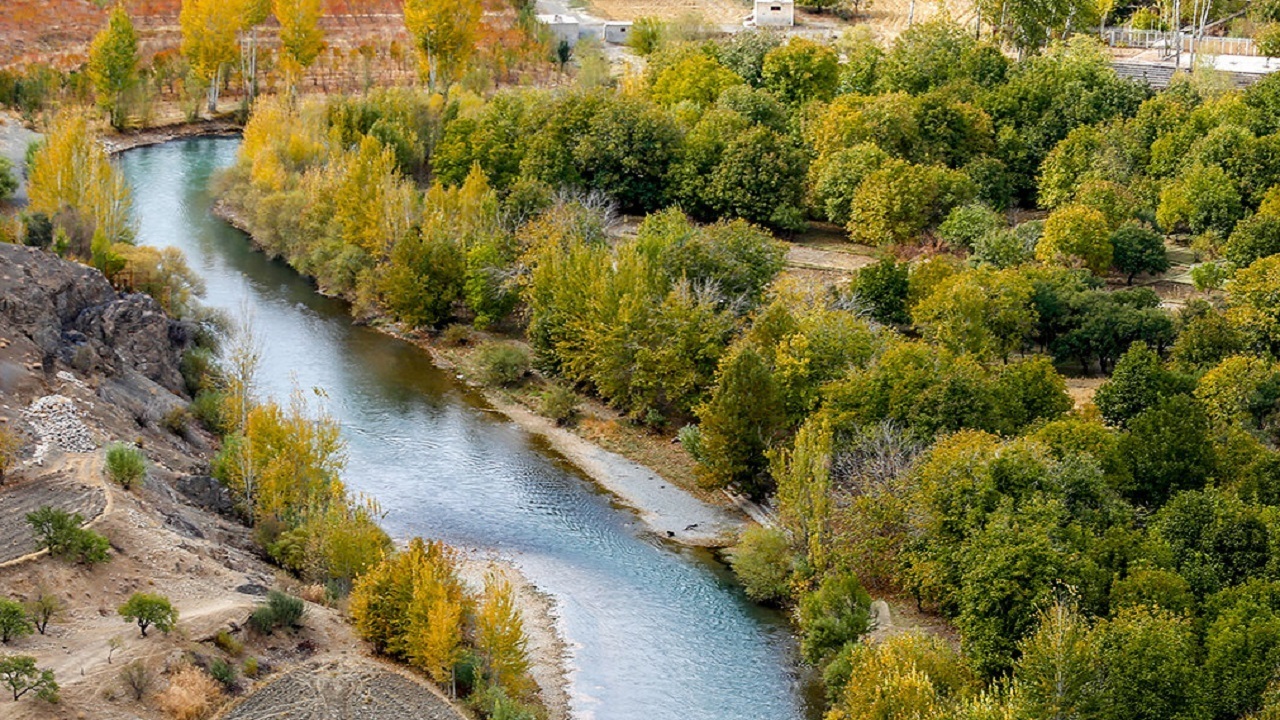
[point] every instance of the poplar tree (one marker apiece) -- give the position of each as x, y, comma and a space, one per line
113, 63
445, 33
500, 635
209, 30
301, 38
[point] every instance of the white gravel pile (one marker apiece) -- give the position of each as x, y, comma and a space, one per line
56, 421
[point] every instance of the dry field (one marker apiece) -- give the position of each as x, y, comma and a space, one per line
716, 12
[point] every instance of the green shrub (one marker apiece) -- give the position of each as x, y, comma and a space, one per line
560, 404
502, 364
126, 465
456, 336
224, 672
262, 620
251, 668
175, 421
208, 409
287, 609
13, 620
762, 560
834, 614
228, 644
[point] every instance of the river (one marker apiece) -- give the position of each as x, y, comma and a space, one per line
656, 632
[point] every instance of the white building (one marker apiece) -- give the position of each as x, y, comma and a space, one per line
775, 13
563, 27
616, 32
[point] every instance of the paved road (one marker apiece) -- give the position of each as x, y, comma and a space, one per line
14, 139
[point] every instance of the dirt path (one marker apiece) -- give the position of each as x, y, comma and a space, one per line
812, 258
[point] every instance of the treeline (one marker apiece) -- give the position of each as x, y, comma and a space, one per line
1113, 559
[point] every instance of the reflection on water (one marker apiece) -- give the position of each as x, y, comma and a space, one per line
657, 632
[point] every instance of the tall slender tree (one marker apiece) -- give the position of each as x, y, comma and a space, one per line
301, 38
445, 33
209, 31
113, 63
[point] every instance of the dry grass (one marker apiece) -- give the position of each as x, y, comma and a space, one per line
717, 12
192, 695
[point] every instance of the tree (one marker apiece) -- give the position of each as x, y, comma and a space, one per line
1254, 238
1138, 249
61, 534
13, 620
209, 30
760, 178
1240, 649
1168, 448
1055, 672
900, 200
697, 78
8, 182
113, 63
1076, 235
125, 464
44, 608
1252, 304
1201, 198
740, 423
800, 71
20, 674
147, 609
445, 34
763, 561
883, 288
500, 638
965, 224
983, 312
301, 38
1138, 382
71, 171
1145, 666
834, 614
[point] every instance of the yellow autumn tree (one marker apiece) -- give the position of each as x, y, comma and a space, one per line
500, 638
435, 614
344, 540
301, 38
445, 33
71, 172
209, 40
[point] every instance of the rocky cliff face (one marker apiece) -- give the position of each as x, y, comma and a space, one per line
68, 314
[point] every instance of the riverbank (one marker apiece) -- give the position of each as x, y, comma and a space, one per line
667, 509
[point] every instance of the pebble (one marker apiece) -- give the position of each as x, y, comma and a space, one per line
56, 421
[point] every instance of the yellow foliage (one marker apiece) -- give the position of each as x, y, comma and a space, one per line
445, 33
500, 637
71, 171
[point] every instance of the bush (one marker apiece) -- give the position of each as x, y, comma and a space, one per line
502, 364
456, 336
207, 407
191, 695
763, 561
126, 465
228, 644
251, 667
834, 614
137, 678
13, 620
10, 446
287, 609
560, 404
965, 224
262, 620
224, 672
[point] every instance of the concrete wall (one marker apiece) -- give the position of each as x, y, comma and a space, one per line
775, 13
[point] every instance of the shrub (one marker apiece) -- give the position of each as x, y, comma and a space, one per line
560, 404
262, 620
43, 609
191, 695
251, 668
834, 614
228, 644
287, 609
10, 446
456, 336
1075, 235
126, 465
137, 678
175, 421
965, 224
763, 561
207, 407
502, 364
224, 672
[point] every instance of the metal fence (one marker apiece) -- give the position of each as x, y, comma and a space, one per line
1167, 40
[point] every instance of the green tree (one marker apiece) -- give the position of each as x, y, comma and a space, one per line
1138, 249
800, 71
983, 312
1138, 382
740, 422
760, 178
1055, 673
1253, 306
1168, 448
43, 609
13, 620
147, 609
1206, 338
61, 534
1254, 238
763, 561
1076, 235
1199, 199
125, 464
20, 674
900, 200
626, 151
835, 613
882, 287
1145, 665
113, 63
1241, 649
697, 78
967, 223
